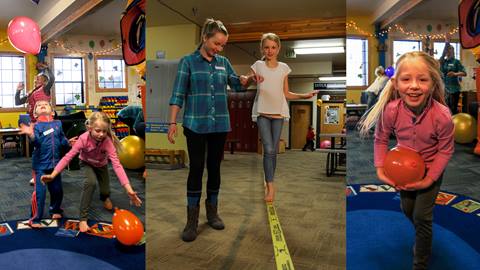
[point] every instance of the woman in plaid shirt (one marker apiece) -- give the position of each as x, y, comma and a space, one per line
201, 84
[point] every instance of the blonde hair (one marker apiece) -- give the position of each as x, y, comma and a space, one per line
101, 116
210, 28
389, 93
270, 36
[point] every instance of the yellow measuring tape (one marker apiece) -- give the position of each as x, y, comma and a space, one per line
280, 249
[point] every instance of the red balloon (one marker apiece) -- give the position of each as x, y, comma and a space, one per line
128, 228
24, 34
404, 166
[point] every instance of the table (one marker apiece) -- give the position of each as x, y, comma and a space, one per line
356, 109
231, 144
14, 131
336, 156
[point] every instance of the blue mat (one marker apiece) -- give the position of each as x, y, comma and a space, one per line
42, 249
379, 236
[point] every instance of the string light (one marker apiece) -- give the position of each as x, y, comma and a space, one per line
69, 49
401, 29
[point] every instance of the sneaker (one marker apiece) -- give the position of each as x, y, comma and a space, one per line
107, 204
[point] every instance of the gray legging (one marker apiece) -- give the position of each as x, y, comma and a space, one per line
270, 131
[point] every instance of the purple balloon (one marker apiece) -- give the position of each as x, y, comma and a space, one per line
389, 71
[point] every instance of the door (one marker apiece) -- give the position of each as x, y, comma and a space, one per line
301, 119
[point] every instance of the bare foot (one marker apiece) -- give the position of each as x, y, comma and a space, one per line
270, 192
83, 226
56, 216
35, 225
107, 204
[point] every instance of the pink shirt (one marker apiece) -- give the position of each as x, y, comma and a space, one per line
95, 154
430, 134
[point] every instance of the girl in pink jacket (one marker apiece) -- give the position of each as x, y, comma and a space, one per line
96, 146
412, 106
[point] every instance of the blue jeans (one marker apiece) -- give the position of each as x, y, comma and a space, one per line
270, 131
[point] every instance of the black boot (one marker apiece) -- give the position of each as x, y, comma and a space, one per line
190, 232
212, 216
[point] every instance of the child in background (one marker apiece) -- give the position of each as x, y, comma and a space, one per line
413, 108
310, 140
47, 137
96, 146
270, 108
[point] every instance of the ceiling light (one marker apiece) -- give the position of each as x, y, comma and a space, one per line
329, 79
319, 50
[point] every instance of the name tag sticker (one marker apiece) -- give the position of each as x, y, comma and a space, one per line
219, 68
46, 132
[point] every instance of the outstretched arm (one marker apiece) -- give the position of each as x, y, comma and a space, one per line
20, 100
290, 95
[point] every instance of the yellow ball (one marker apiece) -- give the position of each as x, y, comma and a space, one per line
132, 155
465, 128
319, 102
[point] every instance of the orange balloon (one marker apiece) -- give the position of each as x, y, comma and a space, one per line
404, 166
128, 228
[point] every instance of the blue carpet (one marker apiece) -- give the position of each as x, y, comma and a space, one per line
379, 236
41, 249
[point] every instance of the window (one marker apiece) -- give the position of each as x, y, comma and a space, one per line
69, 80
403, 46
111, 74
357, 62
438, 49
12, 71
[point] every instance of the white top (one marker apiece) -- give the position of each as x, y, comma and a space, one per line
270, 98
377, 86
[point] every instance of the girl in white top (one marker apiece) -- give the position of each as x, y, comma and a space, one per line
270, 108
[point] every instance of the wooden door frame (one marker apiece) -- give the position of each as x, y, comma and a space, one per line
290, 105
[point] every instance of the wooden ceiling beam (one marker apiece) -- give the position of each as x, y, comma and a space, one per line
67, 18
288, 29
398, 12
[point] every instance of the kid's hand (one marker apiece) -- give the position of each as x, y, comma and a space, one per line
422, 184
26, 129
73, 140
451, 74
172, 133
20, 86
244, 80
311, 94
257, 78
382, 177
134, 199
46, 178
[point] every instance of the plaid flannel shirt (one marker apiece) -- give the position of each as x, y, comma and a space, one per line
202, 86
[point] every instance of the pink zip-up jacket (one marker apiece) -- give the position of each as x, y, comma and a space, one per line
430, 134
95, 154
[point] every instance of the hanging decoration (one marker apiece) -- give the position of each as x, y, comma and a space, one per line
102, 43
90, 53
132, 25
399, 28
91, 44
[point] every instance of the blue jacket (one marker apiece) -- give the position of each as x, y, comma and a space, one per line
48, 139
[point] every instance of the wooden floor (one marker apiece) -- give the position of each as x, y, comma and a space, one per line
310, 206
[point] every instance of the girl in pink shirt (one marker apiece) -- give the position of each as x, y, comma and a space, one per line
412, 106
96, 146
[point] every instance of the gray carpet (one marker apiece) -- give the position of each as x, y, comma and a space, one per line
15, 194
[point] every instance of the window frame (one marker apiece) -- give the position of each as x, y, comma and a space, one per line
125, 75
366, 61
419, 41
27, 81
85, 77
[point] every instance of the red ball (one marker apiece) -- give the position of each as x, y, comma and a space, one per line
128, 228
325, 144
404, 166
